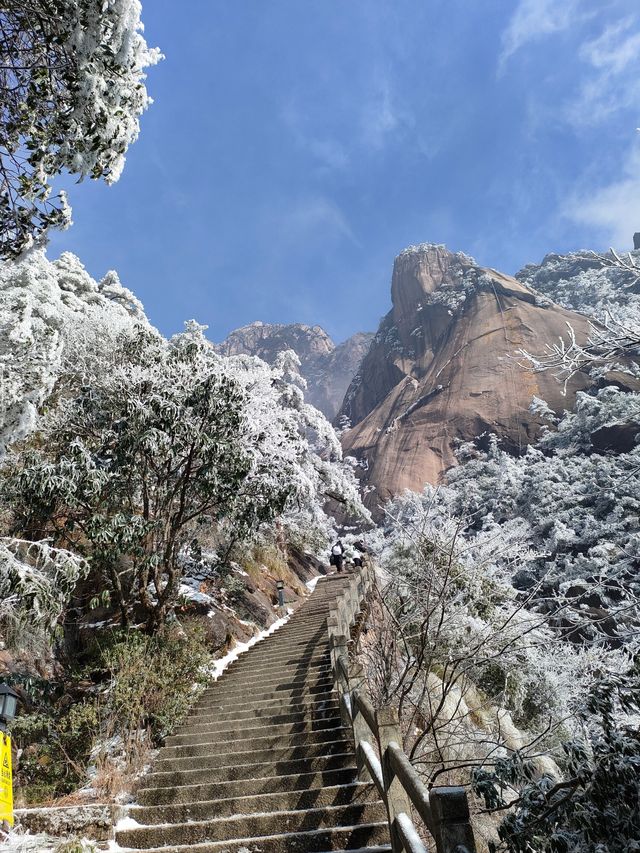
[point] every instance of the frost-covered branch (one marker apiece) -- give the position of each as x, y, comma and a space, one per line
71, 94
612, 344
36, 582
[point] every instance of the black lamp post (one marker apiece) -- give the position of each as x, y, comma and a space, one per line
280, 588
8, 706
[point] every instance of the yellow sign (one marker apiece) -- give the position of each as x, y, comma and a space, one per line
6, 780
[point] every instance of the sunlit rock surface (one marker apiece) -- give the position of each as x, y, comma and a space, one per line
443, 368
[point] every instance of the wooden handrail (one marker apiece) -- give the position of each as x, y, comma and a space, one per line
361, 704
369, 757
444, 810
411, 782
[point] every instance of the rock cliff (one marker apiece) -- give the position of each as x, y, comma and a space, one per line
441, 369
327, 368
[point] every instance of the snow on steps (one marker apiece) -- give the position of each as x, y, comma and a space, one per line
263, 763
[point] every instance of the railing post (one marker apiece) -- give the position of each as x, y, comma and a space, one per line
361, 730
397, 800
333, 630
451, 819
339, 646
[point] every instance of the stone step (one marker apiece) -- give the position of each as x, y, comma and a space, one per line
285, 681
253, 826
284, 662
209, 741
323, 691
273, 714
249, 695
283, 653
236, 771
261, 710
344, 838
200, 792
299, 642
312, 625
238, 730
332, 795
218, 755
260, 675
253, 696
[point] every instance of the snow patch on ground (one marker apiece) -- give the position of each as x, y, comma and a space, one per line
219, 666
127, 823
188, 593
311, 585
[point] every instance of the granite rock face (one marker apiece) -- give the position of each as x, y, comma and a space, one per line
443, 369
327, 368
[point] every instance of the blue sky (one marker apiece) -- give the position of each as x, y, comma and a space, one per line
296, 146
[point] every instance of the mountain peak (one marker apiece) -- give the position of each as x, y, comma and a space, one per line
441, 368
327, 368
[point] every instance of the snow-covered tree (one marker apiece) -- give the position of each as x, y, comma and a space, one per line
156, 443
55, 320
595, 807
291, 441
71, 94
134, 459
476, 670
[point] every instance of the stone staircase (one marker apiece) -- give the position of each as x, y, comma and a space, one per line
263, 764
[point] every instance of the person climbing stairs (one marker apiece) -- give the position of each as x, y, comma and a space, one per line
263, 764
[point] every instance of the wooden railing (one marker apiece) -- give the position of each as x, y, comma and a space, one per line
378, 743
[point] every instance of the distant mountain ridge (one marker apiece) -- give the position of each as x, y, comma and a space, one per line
328, 368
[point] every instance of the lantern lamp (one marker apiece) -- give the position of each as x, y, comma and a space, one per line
8, 704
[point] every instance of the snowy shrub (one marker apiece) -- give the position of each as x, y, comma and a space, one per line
475, 671
595, 807
106, 732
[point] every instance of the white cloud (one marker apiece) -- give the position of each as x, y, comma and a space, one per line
534, 19
613, 59
613, 210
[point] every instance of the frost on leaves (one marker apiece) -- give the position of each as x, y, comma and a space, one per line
71, 94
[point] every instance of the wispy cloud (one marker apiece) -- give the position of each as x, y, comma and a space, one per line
315, 217
380, 116
613, 211
328, 151
337, 131
535, 19
613, 84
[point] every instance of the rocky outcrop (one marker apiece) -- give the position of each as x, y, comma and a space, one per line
443, 369
328, 369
